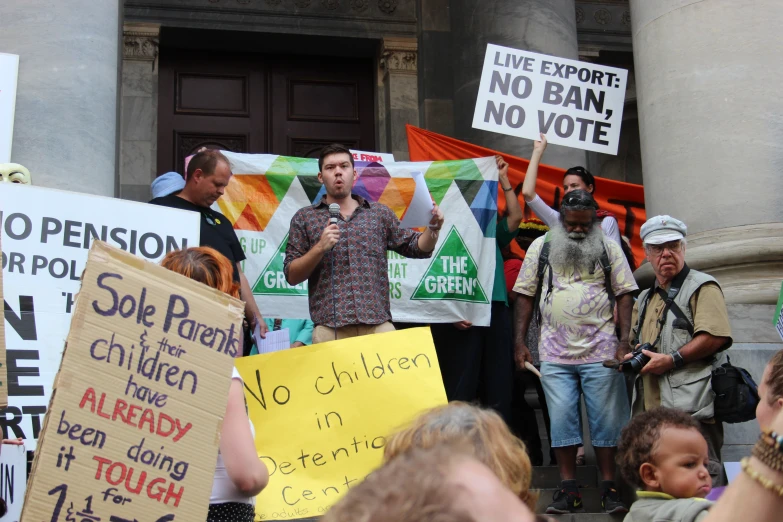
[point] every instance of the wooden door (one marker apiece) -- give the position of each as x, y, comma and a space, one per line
256, 103
318, 102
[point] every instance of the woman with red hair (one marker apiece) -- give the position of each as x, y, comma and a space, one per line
239, 474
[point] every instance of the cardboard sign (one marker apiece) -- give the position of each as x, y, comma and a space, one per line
576, 104
372, 157
46, 238
3, 369
454, 284
134, 423
326, 411
9, 69
13, 480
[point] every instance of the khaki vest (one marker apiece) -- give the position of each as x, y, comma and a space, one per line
689, 388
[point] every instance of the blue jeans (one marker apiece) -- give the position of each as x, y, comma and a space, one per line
608, 409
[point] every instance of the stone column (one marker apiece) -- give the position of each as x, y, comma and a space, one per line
139, 109
542, 26
400, 102
711, 133
707, 80
65, 127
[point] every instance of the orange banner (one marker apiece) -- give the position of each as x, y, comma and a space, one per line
624, 200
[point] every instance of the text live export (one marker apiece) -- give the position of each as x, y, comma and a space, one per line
127, 413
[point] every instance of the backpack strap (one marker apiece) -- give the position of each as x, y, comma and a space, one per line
679, 314
606, 266
640, 319
669, 305
543, 264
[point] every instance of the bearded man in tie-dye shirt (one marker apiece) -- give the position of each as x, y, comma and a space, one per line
578, 333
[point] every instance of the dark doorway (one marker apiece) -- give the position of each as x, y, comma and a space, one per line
257, 103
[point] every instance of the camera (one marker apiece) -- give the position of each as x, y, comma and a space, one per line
637, 360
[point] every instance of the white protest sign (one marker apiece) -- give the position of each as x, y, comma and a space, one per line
13, 480
372, 157
419, 212
576, 104
46, 237
9, 68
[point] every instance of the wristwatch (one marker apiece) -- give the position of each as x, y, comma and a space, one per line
679, 362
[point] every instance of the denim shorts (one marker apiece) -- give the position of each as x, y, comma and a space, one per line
606, 398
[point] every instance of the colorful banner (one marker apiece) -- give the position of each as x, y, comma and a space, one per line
455, 284
322, 413
624, 200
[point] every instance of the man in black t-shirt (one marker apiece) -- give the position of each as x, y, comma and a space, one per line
208, 174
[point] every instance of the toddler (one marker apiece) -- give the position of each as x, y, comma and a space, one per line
664, 454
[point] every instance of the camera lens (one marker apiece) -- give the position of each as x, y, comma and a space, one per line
637, 361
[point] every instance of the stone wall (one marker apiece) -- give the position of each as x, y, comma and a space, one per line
342, 18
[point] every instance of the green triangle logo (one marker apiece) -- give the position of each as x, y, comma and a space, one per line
452, 275
272, 279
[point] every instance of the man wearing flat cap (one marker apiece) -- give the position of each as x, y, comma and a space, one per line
684, 317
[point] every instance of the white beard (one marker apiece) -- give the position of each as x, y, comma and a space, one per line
576, 250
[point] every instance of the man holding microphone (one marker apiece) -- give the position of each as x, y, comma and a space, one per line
344, 261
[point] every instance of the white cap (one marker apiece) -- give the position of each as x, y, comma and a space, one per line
662, 229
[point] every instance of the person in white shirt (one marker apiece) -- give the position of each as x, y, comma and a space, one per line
574, 178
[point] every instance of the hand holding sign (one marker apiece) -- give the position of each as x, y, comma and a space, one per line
502, 171
539, 146
436, 223
422, 209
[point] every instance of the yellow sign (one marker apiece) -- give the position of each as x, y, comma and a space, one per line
322, 413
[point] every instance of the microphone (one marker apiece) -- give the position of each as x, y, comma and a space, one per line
334, 211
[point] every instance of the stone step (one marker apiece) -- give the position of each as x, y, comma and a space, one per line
548, 477
591, 500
